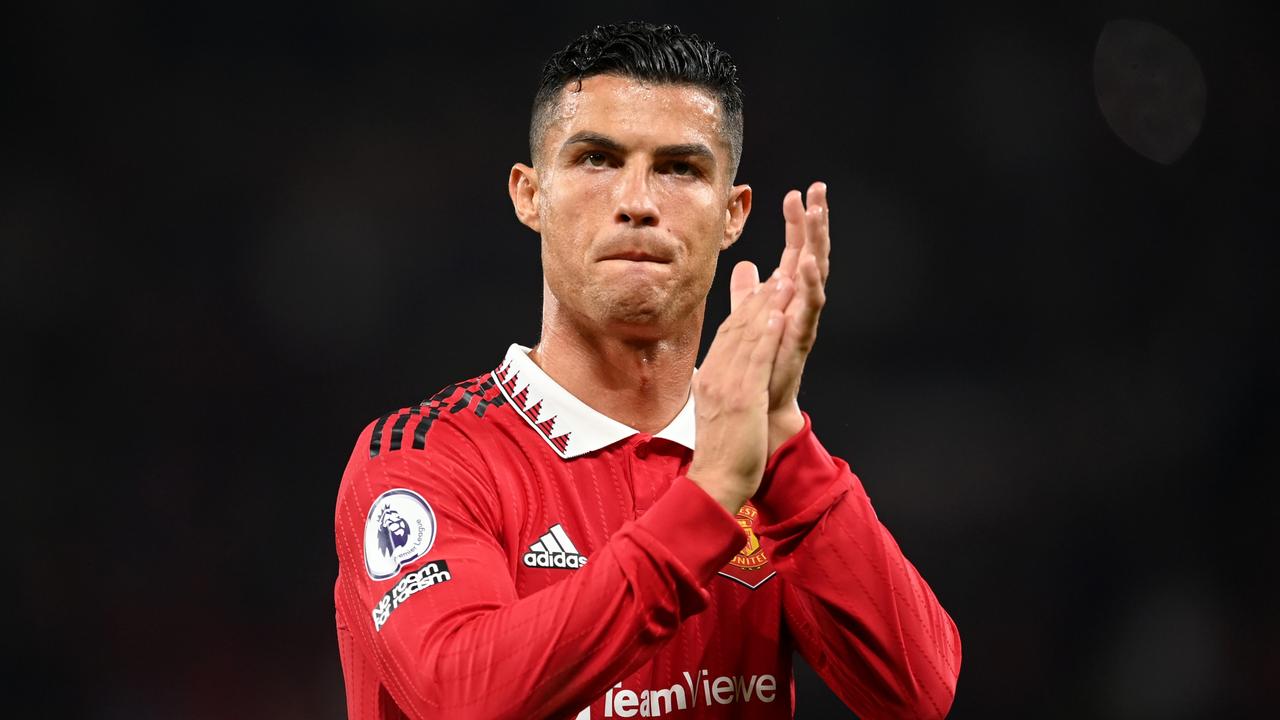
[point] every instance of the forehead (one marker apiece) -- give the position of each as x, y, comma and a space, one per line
636, 111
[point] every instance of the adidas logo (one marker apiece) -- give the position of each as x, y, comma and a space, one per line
554, 550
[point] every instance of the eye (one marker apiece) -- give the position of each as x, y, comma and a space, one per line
595, 159
682, 168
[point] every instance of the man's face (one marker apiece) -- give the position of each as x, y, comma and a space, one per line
634, 202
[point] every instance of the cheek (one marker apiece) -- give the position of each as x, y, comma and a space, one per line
574, 201
696, 198
573, 214
701, 214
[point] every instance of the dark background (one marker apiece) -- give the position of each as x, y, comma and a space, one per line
233, 234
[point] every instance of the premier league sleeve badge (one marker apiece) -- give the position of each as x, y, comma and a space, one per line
401, 528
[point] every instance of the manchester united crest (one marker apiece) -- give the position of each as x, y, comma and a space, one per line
751, 565
751, 556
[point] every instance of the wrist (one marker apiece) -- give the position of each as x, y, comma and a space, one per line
728, 494
784, 424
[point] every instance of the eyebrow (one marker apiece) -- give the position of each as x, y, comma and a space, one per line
587, 137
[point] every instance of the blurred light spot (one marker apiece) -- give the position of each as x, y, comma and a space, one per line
1150, 88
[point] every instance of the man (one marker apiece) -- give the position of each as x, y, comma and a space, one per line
594, 530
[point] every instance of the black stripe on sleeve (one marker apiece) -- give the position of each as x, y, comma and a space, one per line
375, 444
462, 403
397, 430
420, 432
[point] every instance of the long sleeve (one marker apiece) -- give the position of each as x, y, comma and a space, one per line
858, 610
447, 636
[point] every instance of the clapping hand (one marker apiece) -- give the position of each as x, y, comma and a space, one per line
805, 262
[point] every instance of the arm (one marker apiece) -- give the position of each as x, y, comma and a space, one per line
858, 610
462, 644
447, 635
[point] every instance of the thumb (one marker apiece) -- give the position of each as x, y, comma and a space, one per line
744, 279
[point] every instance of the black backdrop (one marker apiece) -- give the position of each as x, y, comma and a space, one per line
234, 234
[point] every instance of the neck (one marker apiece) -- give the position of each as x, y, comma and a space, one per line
642, 382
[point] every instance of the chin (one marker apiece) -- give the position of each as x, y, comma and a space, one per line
634, 311
642, 308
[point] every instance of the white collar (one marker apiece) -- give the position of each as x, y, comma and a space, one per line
568, 425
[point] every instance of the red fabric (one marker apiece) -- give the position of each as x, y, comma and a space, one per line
856, 608
658, 622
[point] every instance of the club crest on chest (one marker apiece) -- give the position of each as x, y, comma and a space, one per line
751, 566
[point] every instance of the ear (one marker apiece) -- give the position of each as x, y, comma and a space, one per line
736, 213
523, 188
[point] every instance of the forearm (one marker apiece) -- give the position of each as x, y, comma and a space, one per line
860, 611
555, 651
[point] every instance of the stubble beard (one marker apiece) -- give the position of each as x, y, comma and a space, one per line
645, 312
633, 305
627, 308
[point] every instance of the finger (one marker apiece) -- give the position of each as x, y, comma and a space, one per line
783, 290
810, 297
816, 195
803, 309
744, 279
809, 289
774, 296
766, 293
800, 332
817, 228
725, 344
761, 358
793, 213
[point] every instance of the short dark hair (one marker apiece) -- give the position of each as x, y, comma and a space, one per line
647, 52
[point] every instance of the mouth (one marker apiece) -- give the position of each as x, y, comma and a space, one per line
636, 256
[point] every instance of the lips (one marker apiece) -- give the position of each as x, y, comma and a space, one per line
636, 256
636, 248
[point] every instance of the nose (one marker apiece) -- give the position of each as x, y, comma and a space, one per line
636, 204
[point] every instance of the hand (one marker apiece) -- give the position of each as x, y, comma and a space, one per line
806, 260
731, 395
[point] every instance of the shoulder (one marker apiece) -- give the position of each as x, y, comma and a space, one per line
447, 437
439, 448
463, 407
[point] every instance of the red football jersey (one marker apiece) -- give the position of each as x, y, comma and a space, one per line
506, 551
